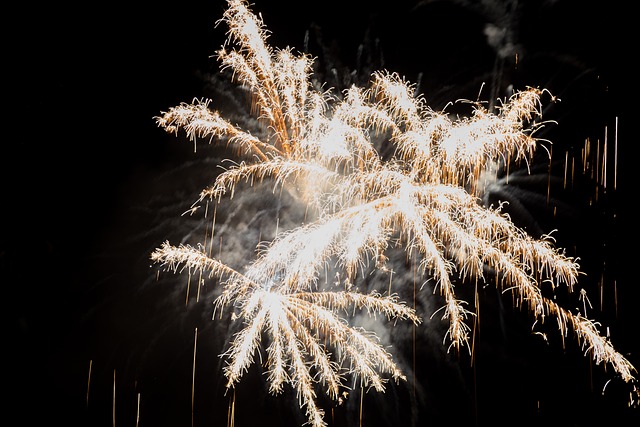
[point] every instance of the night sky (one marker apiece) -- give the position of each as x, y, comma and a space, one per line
92, 185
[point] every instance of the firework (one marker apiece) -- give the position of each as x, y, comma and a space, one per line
423, 198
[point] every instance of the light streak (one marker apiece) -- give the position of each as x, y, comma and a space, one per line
231, 414
138, 411
113, 402
193, 376
424, 199
89, 381
615, 157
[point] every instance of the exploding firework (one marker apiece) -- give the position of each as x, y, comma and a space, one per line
385, 183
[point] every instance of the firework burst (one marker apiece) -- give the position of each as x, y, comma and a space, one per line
422, 196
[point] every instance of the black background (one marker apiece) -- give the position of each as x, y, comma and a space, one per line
82, 153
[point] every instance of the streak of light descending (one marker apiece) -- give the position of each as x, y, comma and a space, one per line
186, 295
113, 402
615, 296
549, 175
360, 416
615, 157
138, 411
605, 157
231, 414
89, 381
566, 169
322, 148
193, 377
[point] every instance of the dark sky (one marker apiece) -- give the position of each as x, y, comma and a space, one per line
85, 175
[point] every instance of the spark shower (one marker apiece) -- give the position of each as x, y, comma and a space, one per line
384, 183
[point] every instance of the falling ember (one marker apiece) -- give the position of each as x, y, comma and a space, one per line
604, 158
615, 157
193, 376
361, 405
359, 205
113, 402
566, 168
232, 410
549, 175
615, 296
186, 295
89, 381
138, 411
